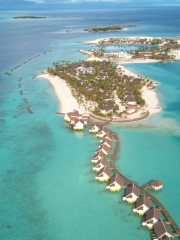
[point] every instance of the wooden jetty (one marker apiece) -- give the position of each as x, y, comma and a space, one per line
142, 189
29, 110
25, 100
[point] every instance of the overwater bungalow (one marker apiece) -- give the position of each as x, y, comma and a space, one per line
104, 174
74, 113
115, 183
162, 230
153, 215
100, 164
104, 148
156, 185
78, 125
143, 204
132, 194
98, 157
102, 133
106, 142
107, 136
94, 128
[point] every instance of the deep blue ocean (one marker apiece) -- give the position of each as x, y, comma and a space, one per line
46, 188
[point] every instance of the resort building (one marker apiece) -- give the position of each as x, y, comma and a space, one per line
153, 215
162, 230
100, 164
78, 125
98, 157
104, 148
132, 194
107, 136
143, 204
74, 113
106, 109
130, 100
104, 174
102, 133
131, 109
156, 185
94, 128
115, 183
106, 142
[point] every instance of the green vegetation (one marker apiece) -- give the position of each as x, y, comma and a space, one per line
28, 17
100, 86
105, 29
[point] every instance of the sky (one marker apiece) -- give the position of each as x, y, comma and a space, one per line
59, 4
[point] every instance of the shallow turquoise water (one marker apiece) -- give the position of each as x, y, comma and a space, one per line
46, 187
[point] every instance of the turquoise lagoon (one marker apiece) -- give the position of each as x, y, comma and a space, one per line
46, 186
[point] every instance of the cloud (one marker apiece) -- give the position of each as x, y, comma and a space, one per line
35, 1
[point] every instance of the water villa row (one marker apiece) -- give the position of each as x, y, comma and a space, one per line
138, 196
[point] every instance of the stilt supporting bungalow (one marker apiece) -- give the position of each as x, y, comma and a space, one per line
74, 113
153, 215
102, 133
143, 204
94, 128
98, 157
132, 194
115, 183
104, 174
107, 136
162, 230
100, 164
104, 148
156, 185
106, 142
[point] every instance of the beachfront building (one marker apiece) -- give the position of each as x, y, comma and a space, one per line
104, 148
102, 133
94, 128
132, 194
104, 174
106, 142
143, 204
130, 100
74, 113
98, 157
106, 109
100, 164
130, 109
162, 230
156, 185
153, 215
115, 183
117, 54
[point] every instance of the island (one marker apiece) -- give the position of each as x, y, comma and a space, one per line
150, 49
102, 89
28, 17
108, 29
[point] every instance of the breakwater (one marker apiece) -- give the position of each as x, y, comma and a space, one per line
142, 189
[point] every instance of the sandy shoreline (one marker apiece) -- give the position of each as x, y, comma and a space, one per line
63, 92
68, 102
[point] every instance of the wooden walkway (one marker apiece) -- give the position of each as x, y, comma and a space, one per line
142, 189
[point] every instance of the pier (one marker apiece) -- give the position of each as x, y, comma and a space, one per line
160, 207
142, 189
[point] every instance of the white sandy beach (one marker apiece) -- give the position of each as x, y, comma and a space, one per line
68, 102
63, 92
149, 95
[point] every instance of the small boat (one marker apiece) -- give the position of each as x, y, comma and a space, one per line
68, 31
